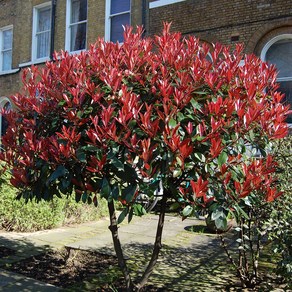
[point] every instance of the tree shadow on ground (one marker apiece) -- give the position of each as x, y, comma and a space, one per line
188, 262
19, 249
15, 250
199, 266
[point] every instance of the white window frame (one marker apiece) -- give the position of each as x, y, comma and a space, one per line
269, 44
36, 10
265, 50
108, 16
161, 3
2, 29
68, 27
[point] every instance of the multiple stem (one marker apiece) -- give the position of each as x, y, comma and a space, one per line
248, 274
119, 252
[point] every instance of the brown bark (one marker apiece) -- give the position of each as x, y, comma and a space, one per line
157, 245
117, 245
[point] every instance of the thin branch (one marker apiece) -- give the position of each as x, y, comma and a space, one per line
238, 268
224, 245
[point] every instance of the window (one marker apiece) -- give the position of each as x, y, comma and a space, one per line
76, 25
278, 51
6, 48
160, 3
41, 31
118, 14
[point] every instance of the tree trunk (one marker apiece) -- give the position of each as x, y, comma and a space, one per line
157, 245
117, 245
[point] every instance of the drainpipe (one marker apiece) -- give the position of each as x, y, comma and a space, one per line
52, 37
145, 17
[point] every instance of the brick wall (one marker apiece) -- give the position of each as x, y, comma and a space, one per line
225, 21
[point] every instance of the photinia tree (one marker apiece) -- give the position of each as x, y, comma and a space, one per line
120, 119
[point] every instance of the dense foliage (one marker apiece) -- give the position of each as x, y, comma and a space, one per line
119, 119
279, 223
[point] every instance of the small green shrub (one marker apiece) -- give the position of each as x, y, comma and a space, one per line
16, 215
280, 221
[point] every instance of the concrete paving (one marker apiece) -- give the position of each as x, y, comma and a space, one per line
185, 257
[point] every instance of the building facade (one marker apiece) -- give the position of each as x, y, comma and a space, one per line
31, 30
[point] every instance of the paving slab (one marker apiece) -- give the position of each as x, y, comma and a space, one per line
12, 282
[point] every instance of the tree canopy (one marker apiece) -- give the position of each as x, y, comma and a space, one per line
120, 118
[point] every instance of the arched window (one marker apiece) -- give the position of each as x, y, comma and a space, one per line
4, 104
278, 51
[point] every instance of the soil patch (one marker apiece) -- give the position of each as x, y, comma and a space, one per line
5, 252
64, 268
69, 267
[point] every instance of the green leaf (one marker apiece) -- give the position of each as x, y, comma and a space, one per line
79, 114
139, 210
105, 188
241, 211
115, 192
172, 123
60, 171
66, 181
180, 116
179, 161
19, 196
128, 175
130, 216
90, 148
123, 215
88, 110
222, 158
246, 237
221, 222
187, 211
217, 214
77, 197
81, 155
200, 157
194, 103
251, 135
62, 103
117, 164
174, 206
95, 201
213, 207
65, 186
84, 197
177, 172
201, 92
128, 192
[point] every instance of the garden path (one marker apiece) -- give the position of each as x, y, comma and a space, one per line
189, 261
